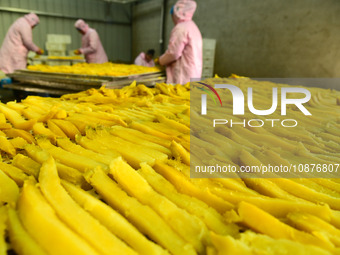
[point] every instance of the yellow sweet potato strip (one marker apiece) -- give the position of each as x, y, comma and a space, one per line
113, 221
68, 145
16, 119
208, 215
275, 206
65, 172
67, 127
54, 128
18, 142
315, 225
142, 127
188, 227
21, 241
2, 118
6, 146
33, 208
40, 129
14, 173
134, 136
264, 223
184, 185
142, 216
13, 132
180, 153
306, 193
252, 243
9, 191
81, 163
75, 216
99, 148
26, 164
3, 229
134, 154
269, 188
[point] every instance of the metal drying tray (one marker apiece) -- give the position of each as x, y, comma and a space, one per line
84, 76
37, 89
46, 79
149, 82
61, 83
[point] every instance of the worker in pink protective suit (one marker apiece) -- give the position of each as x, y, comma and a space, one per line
17, 43
145, 59
91, 46
183, 58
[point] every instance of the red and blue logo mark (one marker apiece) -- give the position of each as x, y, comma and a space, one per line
209, 92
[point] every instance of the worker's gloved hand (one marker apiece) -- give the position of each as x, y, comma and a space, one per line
40, 51
77, 52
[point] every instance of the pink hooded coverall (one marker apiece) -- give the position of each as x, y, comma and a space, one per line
141, 61
183, 58
17, 43
91, 45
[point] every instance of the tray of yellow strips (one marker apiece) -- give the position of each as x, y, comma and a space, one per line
83, 76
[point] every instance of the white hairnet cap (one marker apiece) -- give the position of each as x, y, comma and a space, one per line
185, 9
32, 19
82, 25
